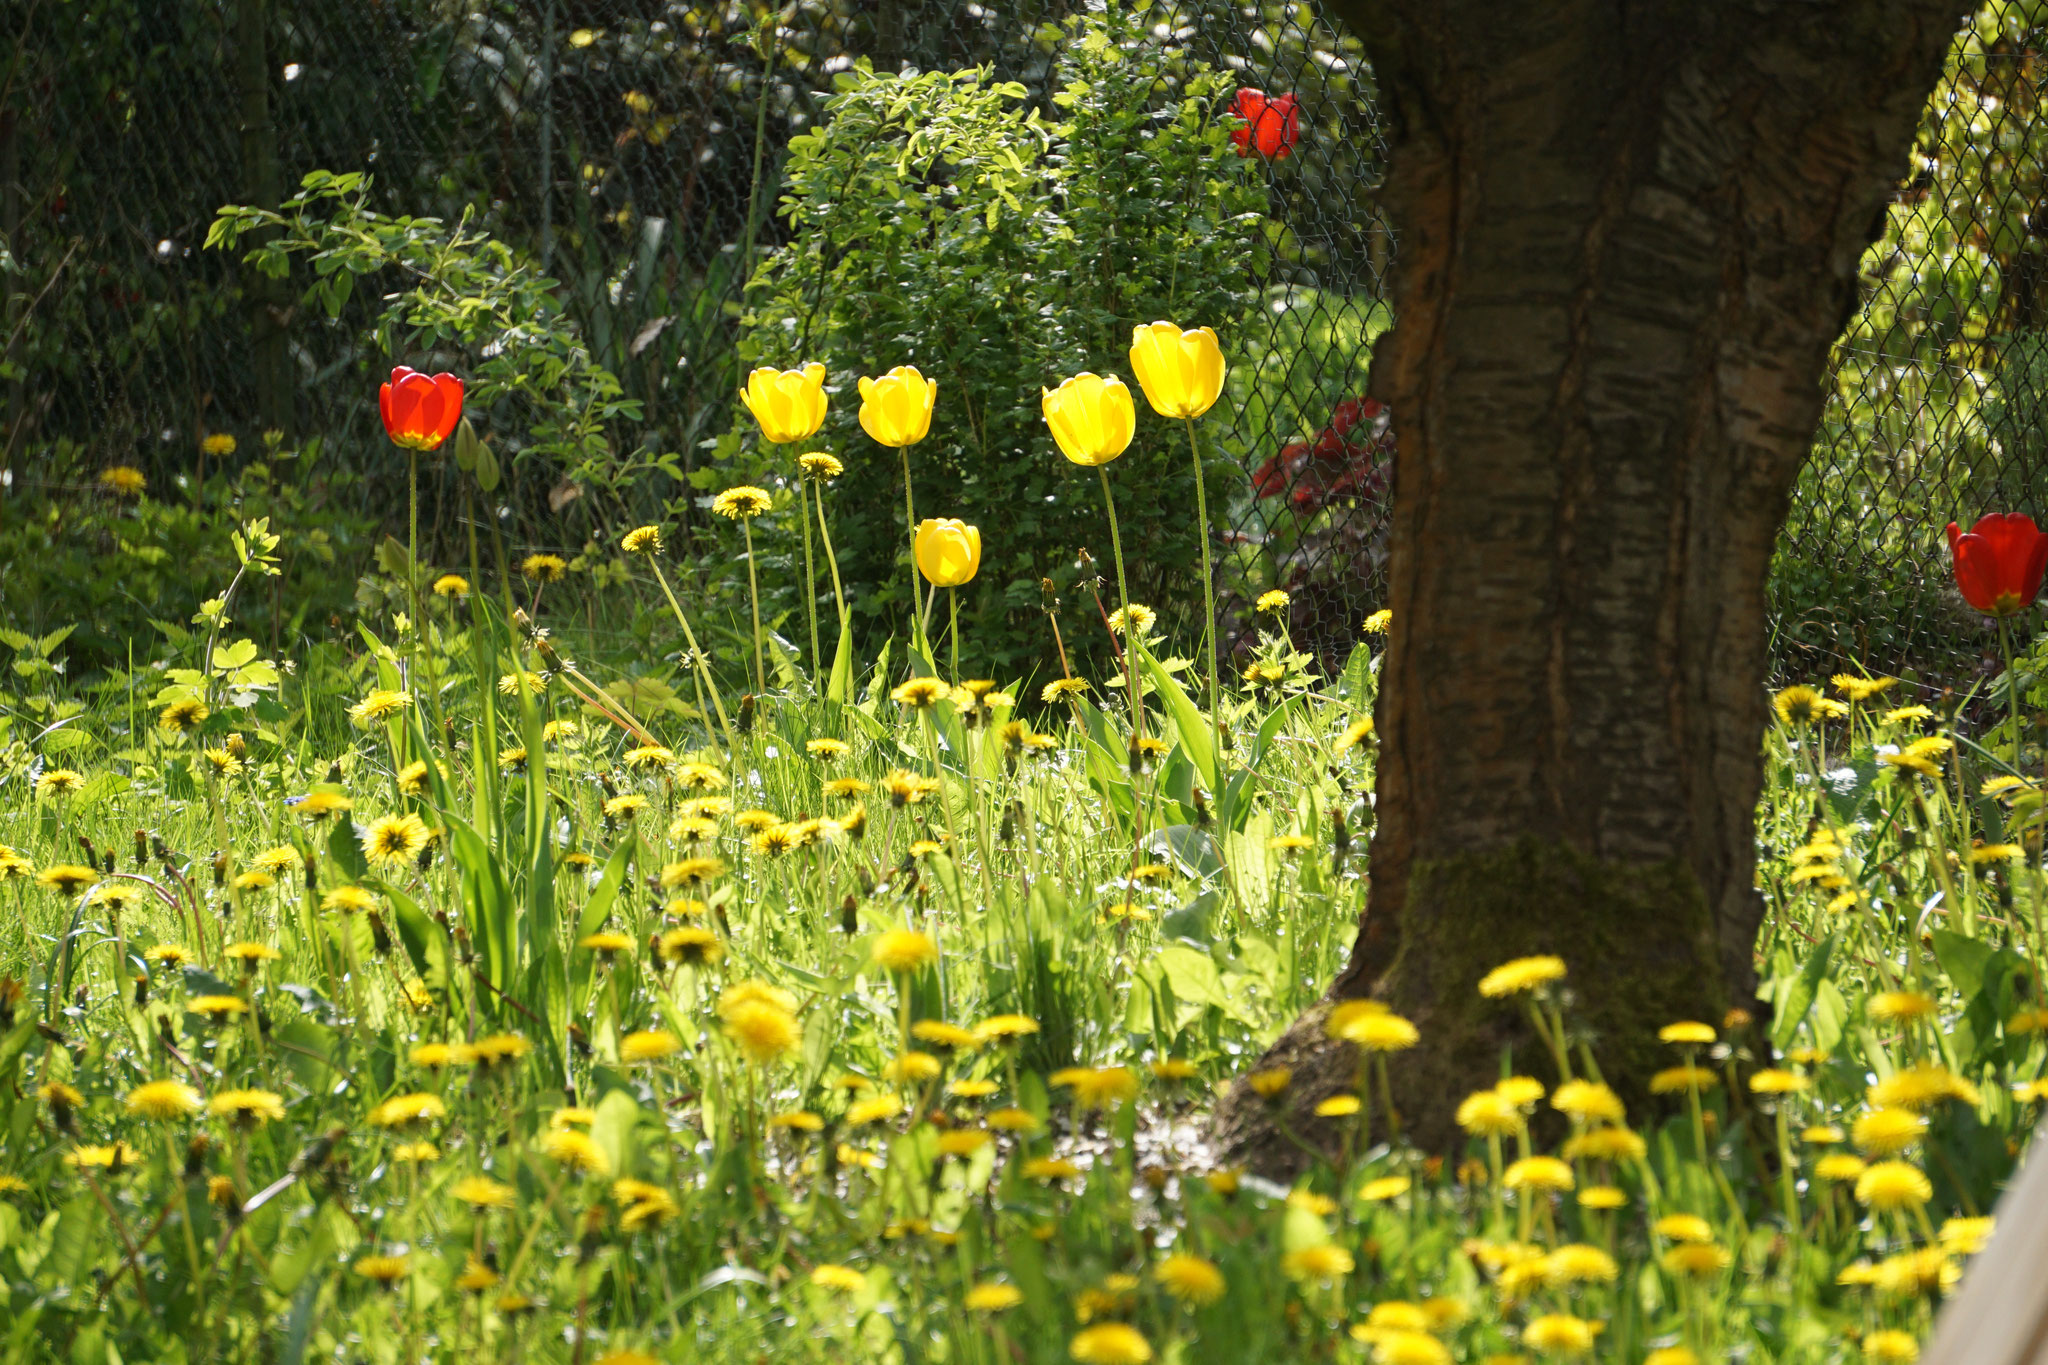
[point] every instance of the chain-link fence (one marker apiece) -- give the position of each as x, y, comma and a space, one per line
633, 147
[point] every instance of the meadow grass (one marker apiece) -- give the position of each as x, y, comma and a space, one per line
458, 994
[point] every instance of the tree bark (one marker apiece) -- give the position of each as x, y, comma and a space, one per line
1628, 234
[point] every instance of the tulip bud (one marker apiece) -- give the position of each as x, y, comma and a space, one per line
1091, 417
789, 404
896, 410
1180, 372
948, 551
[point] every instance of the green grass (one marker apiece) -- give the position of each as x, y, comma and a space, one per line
1131, 921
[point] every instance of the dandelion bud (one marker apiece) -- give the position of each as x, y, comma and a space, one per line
141, 847
312, 874
195, 1156
1203, 817
380, 937
238, 746
579, 1041
745, 724
849, 918
1340, 834
92, 855
109, 864
142, 990
220, 870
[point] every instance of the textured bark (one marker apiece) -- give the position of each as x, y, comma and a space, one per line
1628, 234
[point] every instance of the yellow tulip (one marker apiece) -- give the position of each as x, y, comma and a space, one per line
1180, 372
948, 551
1091, 417
789, 404
897, 408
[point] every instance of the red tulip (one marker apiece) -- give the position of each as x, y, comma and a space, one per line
1999, 562
420, 410
1272, 125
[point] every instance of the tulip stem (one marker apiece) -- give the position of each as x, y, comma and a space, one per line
810, 585
910, 522
412, 572
1208, 602
2012, 685
953, 601
1123, 592
831, 560
754, 602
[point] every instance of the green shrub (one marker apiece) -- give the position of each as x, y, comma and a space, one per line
939, 220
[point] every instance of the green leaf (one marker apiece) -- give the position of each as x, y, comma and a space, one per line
1192, 975
347, 850
1196, 736
840, 688
1791, 1011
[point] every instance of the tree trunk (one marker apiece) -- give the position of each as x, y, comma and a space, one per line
1628, 234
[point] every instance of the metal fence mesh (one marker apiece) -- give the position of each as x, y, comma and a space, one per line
639, 140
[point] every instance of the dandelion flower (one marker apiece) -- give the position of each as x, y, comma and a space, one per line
451, 585
820, 466
1190, 1279
1538, 1173
1374, 1030
406, 1111
544, 568
1579, 1263
1588, 1102
651, 1045
67, 878
842, 1279
1110, 1343
380, 704
762, 1031
1887, 1132
1320, 1264
127, 481
480, 1192
59, 782
1522, 974
1799, 705
1676, 1078
1777, 1081
1892, 1185
218, 1007
576, 1151
642, 540
181, 716
384, 1270
1898, 1006
1384, 1188
163, 1101
880, 1109
1485, 1113
395, 840
1559, 1333
1891, 1345
903, 950
742, 503
247, 1108
992, 1298
1840, 1168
